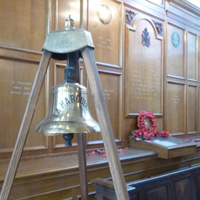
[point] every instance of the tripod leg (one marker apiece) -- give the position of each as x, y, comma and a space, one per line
25, 125
106, 129
82, 165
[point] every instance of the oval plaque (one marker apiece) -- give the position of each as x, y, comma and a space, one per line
104, 14
175, 39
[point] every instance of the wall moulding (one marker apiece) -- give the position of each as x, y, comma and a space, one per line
182, 12
133, 18
8, 52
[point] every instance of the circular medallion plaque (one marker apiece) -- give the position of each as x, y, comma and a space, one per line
175, 39
104, 14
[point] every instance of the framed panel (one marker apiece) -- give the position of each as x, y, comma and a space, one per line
198, 61
111, 88
104, 25
175, 108
192, 57
64, 9
143, 77
192, 109
175, 51
16, 81
183, 185
159, 2
161, 192
23, 24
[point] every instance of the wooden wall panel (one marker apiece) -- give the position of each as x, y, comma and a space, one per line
159, 2
175, 54
192, 68
64, 9
143, 74
111, 88
198, 56
175, 110
181, 186
161, 192
16, 81
104, 25
192, 109
23, 23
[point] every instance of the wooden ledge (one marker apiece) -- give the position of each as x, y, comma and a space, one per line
45, 165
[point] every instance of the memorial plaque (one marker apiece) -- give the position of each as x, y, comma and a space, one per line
104, 25
192, 111
192, 57
175, 51
143, 86
175, 109
16, 80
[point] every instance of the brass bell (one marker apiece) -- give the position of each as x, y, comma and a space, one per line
69, 112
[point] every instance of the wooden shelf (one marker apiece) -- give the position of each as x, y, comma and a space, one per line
166, 147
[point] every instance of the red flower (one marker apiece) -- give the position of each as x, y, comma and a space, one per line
135, 136
164, 133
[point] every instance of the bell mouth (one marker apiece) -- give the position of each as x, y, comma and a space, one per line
63, 127
69, 112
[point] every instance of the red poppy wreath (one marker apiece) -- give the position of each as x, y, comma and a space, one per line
146, 123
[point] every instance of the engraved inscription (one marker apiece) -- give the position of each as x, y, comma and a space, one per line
107, 94
104, 43
145, 87
20, 88
175, 98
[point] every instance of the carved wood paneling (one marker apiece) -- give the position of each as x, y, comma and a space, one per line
143, 77
111, 82
65, 8
23, 23
192, 67
192, 109
159, 2
175, 51
16, 80
175, 108
161, 192
182, 185
105, 25
23, 30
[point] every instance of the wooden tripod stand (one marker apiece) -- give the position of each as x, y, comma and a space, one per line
102, 114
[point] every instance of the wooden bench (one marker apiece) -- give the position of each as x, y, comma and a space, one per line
179, 185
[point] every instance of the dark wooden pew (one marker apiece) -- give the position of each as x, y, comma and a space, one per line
179, 185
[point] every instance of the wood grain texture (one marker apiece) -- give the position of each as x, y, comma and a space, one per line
23, 24
143, 77
106, 41
25, 125
105, 125
82, 165
182, 184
